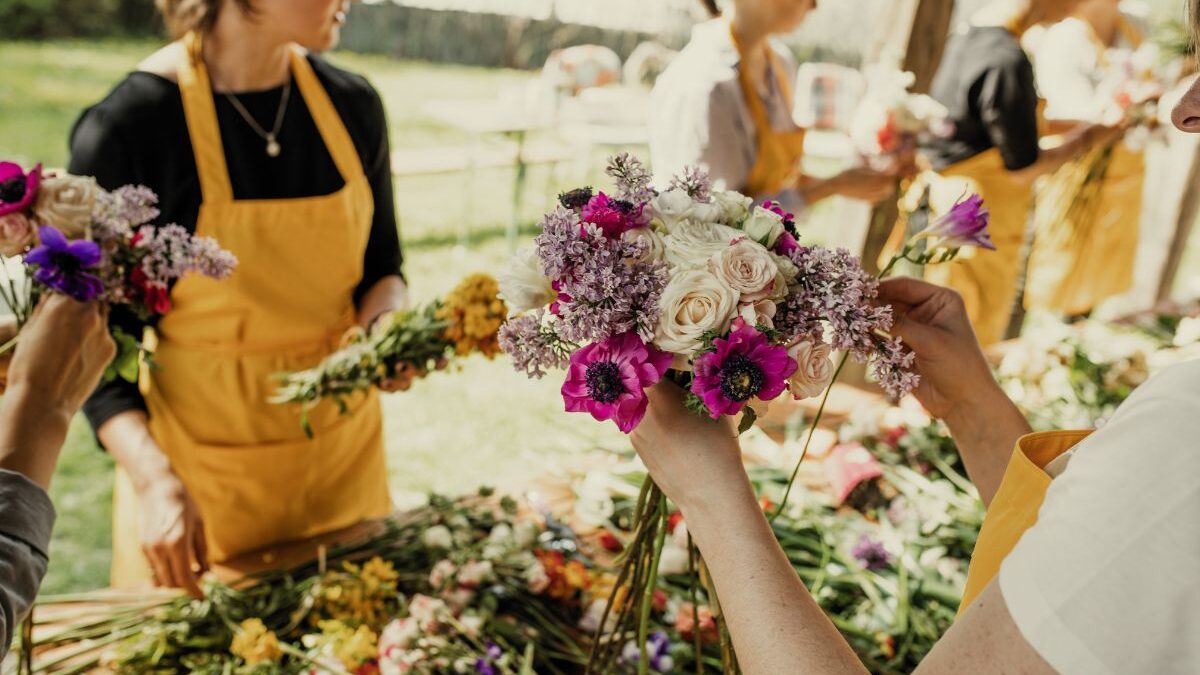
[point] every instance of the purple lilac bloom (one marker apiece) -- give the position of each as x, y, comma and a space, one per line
695, 182
609, 379
172, 252
534, 348
632, 178
61, 263
484, 667
559, 244
116, 213
966, 224
893, 368
658, 647
871, 554
741, 367
211, 260
17, 188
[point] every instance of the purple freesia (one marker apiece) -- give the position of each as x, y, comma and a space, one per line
609, 379
658, 653
612, 216
743, 366
61, 264
871, 554
17, 188
966, 224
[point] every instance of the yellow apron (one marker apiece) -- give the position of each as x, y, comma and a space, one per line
987, 280
255, 477
1015, 507
1083, 256
778, 153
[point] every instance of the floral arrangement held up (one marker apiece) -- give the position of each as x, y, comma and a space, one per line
79, 240
890, 120
464, 323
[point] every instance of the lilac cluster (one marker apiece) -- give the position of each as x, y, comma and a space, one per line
632, 178
116, 213
892, 367
695, 182
172, 252
534, 348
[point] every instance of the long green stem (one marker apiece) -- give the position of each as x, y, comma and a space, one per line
651, 583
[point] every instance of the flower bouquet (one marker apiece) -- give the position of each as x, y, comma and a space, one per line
463, 323
705, 287
81, 241
890, 120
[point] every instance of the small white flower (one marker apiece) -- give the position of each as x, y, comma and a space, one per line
675, 206
438, 537
523, 285
764, 226
735, 206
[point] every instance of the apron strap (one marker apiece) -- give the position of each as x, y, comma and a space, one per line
329, 123
201, 114
758, 111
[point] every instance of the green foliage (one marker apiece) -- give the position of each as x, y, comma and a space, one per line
42, 19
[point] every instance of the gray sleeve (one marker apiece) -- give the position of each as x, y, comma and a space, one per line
728, 147
26, 520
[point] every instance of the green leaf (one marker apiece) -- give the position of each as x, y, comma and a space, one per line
749, 417
125, 363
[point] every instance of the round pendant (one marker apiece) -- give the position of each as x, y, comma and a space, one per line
273, 148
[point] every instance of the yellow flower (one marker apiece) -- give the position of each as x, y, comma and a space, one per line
253, 643
352, 647
357, 594
475, 313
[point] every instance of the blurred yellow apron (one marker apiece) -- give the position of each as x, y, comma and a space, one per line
986, 279
778, 153
254, 475
1073, 266
1015, 507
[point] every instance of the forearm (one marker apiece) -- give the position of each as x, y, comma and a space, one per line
127, 437
1074, 143
776, 625
32, 431
986, 429
813, 190
388, 294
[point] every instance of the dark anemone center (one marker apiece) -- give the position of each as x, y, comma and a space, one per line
576, 199
604, 382
66, 263
741, 378
12, 190
623, 205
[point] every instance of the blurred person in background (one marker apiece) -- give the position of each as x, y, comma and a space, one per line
725, 104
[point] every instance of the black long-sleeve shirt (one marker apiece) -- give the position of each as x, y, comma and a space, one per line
26, 519
986, 81
138, 135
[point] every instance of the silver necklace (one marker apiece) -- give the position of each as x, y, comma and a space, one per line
271, 137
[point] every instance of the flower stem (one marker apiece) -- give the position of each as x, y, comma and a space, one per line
693, 581
651, 582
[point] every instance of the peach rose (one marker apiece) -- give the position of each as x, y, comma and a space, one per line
746, 267
814, 369
66, 202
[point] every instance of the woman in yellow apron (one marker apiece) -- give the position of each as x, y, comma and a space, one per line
1086, 235
725, 103
986, 81
248, 138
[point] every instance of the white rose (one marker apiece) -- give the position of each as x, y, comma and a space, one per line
747, 268
735, 206
654, 249
693, 303
675, 206
761, 313
814, 369
474, 573
764, 226
692, 243
66, 203
523, 285
438, 537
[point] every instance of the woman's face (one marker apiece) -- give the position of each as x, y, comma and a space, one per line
1186, 114
313, 24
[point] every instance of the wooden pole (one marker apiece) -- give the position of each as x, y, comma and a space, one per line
1189, 209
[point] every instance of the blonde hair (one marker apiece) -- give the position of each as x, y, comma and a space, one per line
185, 16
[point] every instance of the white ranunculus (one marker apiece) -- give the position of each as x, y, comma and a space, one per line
523, 285
814, 369
761, 313
692, 243
438, 537
675, 206
764, 226
655, 250
693, 303
66, 202
735, 206
747, 268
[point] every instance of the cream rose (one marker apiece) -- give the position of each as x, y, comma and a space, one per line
675, 206
523, 285
655, 250
735, 206
814, 369
746, 267
66, 203
761, 313
691, 244
16, 234
693, 303
764, 226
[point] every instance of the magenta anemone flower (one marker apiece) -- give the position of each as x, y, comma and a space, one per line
17, 188
786, 245
613, 216
966, 224
61, 264
743, 366
609, 379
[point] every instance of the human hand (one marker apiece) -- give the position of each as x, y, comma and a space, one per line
866, 184
405, 374
694, 460
933, 322
172, 534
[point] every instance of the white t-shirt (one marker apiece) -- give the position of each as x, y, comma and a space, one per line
1108, 581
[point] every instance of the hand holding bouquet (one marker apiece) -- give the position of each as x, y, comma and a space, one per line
465, 322
890, 120
89, 244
